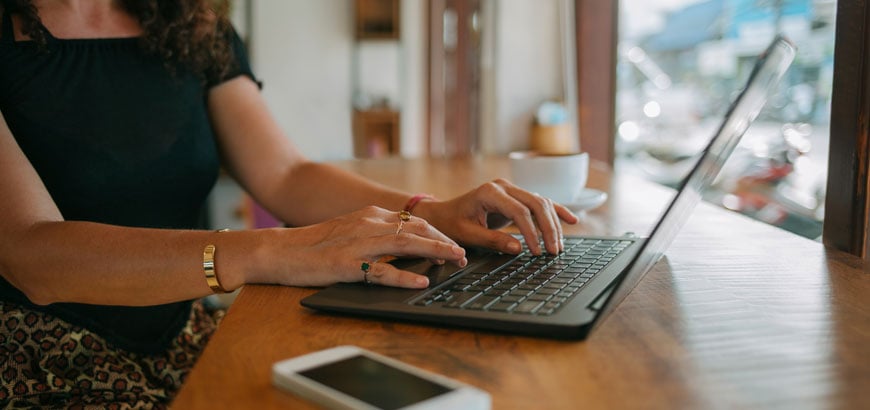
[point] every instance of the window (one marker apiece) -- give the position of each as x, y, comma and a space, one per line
679, 65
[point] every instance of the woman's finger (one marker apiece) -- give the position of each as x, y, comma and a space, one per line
421, 227
384, 274
402, 222
521, 215
551, 224
565, 214
541, 215
554, 215
407, 244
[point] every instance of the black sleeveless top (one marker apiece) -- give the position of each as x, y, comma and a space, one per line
117, 139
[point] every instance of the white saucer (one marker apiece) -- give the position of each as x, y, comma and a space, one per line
587, 199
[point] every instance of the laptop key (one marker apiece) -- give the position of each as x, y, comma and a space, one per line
502, 306
546, 311
539, 298
522, 292
551, 288
528, 306
460, 299
477, 289
503, 287
546, 291
424, 302
480, 303
493, 263
459, 287
496, 292
512, 299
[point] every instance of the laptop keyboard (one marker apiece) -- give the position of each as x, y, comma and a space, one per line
528, 284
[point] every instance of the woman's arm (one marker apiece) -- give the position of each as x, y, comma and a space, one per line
257, 153
53, 260
299, 192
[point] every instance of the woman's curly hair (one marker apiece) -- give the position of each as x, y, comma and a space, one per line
194, 34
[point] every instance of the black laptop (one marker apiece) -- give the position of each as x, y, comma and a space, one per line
564, 295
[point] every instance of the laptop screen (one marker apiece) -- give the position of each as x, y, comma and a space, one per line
763, 80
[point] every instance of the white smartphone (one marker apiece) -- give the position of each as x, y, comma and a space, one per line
349, 377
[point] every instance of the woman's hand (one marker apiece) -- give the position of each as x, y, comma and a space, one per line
472, 218
335, 250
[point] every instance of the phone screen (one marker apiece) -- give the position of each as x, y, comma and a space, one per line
374, 382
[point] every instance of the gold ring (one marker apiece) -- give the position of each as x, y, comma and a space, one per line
404, 216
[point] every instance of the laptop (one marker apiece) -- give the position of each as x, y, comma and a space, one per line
558, 296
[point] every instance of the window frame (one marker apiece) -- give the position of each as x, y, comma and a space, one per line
846, 201
597, 33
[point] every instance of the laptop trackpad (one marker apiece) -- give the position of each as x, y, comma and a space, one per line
436, 273
341, 296
479, 260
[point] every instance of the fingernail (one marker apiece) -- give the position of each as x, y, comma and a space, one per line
422, 281
463, 262
514, 247
458, 251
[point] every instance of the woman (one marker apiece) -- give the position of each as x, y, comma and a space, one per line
114, 119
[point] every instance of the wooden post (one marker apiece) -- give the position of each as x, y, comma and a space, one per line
846, 203
597, 35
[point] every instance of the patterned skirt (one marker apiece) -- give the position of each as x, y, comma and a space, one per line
47, 362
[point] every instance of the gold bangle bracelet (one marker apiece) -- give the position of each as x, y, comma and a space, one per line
210, 273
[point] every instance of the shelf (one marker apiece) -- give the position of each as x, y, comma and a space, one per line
377, 19
375, 133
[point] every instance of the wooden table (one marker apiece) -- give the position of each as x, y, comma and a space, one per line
737, 314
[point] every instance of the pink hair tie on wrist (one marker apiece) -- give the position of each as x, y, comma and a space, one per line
415, 200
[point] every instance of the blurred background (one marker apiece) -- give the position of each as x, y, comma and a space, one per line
681, 62
379, 78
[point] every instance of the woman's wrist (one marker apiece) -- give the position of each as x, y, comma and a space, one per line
260, 255
416, 199
242, 257
425, 208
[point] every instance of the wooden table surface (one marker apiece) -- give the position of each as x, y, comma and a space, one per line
737, 314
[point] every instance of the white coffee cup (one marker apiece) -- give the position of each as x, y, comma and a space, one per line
558, 177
